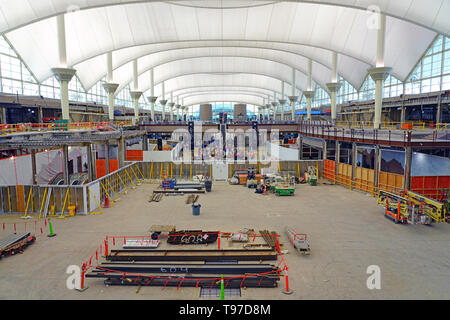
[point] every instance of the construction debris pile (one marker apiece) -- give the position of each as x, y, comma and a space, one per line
172, 187
268, 183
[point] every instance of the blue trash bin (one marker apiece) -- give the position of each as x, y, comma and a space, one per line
196, 209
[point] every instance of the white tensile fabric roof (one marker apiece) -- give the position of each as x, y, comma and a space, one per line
223, 82
228, 97
205, 38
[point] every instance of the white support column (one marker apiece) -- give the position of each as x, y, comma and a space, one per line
380, 73
171, 105
309, 83
333, 86
264, 109
135, 75
109, 67
110, 87
178, 108
381, 40
275, 105
62, 73
163, 102
183, 110
267, 107
294, 97
61, 30
152, 99
309, 93
282, 101
135, 93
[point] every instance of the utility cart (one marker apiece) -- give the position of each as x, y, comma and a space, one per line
283, 190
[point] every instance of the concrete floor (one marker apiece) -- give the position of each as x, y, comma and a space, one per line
347, 232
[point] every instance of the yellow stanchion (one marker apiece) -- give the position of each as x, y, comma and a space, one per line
181, 170
124, 185
107, 194
129, 178
44, 198
151, 172
137, 178
191, 171
137, 168
110, 186
28, 202
61, 216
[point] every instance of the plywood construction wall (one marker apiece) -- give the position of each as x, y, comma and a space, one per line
364, 179
391, 182
344, 175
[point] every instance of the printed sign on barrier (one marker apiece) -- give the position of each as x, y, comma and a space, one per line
138, 244
95, 192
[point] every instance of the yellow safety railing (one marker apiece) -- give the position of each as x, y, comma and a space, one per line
413, 125
442, 126
6, 129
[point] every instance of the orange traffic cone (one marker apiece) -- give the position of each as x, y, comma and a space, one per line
106, 202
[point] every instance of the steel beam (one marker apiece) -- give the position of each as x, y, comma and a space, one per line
188, 281
191, 255
140, 268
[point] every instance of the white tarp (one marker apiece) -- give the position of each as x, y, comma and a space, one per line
18, 170
281, 153
15, 170
220, 171
157, 156
94, 192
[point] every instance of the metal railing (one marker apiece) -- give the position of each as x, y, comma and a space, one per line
361, 135
389, 125
186, 171
58, 200
6, 129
